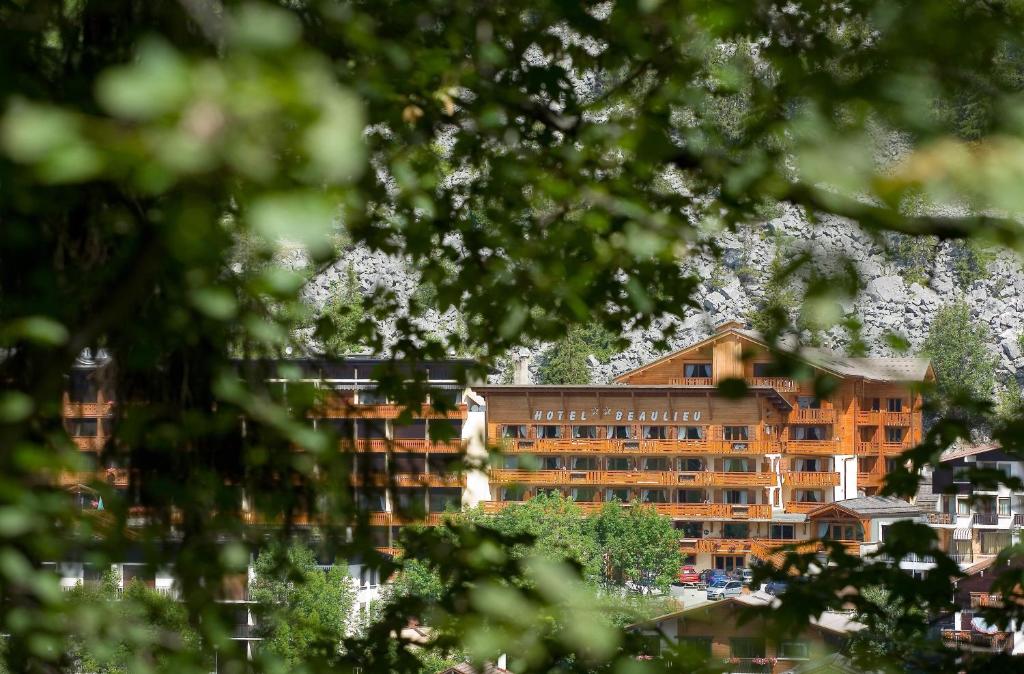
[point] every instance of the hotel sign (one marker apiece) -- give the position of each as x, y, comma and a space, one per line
597, 414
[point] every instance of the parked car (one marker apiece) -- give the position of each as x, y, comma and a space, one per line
725, 588
710, 576
776, 587
688, 576
746, 576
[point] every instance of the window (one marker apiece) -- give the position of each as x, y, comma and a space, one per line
763, 369
728, 562
736, 433
619, 463
584, 432
451, 396
894, 435
445, 499
736, 496
894, 404
876, 404
839, 531
746, 647
82, 428
702, 370
782, 532
691, 465
514, 493
807, 432
583, 463
656, 464
82, 387
654, 496
808, 495
409, 462
620, 433
738, 466
550, 462
372, 397
808, 403
368, 577
1004, 507
691, 433
698, 646
416, 430
549, 432
793, 650
515, 432
650, 644
617, 494
691, 496
690, 529
735, 530
808, 465
993, 542
963, 506
655, 433
583, 494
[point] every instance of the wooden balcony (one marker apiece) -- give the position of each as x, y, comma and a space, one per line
99, 409
815, 447
812, 416
410, 480
116, 477
811, 479
690, 381
673, 447
883, 418
343, 410
409, 445
631, 477
868, 418
681, 511
722, 546
940, 518
872, 479
877, 447
90, 444
784, 384
986, 600
801, 507
971, 640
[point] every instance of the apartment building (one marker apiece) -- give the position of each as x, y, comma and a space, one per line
731, 472
973, 523
399, 475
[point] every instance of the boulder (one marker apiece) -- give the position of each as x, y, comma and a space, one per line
886, 288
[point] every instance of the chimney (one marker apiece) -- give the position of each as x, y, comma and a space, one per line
728, 325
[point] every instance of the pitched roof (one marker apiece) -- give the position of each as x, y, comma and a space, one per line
876, 369
872, 506
959, 451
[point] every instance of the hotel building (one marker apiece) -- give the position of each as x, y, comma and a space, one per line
736, 475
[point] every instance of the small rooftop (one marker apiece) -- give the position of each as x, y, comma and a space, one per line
878, 506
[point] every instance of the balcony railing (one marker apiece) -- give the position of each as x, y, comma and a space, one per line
896, 418
410, 479
872, 479
710, 445
940, 518
828, 447
801, 507
1018, 520
976, 640
809, 416
631, 477
811, 479
690, 381
986, 600
673, 510
777, 383
986, 519
334, 409
102, 409
117, 477
409, 445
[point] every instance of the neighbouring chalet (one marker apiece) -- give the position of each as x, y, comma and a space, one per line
712, 629
734, 474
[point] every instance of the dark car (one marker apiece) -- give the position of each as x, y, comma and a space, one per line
776, 587
709, 576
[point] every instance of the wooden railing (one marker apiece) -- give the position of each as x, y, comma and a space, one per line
872, 479
101, 409
631, 477
971, 639
409, 479
868, 418
117, 477
690, 381
829, 447
811, 479
809, 416
801, 507
986, 600
409, 445
673, 510
940, 518
896, 418
90, 444
604, 446
777, 383
344, 410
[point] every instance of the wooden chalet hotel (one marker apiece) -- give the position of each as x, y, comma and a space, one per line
737, 476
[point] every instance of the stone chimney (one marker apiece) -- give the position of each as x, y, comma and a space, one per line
521, 373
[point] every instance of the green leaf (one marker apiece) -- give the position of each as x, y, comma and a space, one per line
156, 84
302, 217
217, 303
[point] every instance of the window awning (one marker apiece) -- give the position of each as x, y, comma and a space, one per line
961, 534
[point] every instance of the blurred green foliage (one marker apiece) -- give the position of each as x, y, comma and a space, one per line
959, 351
174, 173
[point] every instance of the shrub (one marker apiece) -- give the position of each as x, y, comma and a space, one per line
339, 325
566, 361
957, 346
970, 261
914, 256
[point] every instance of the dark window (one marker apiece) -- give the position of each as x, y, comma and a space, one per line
584, 432
690, 529
655, 433
746, 647
697, 370
738, 465
417, 430
691, 496
617, 494
445, 499
370, 429
763, 369
82, 388
551, 432
656, 463
376, 463
513, 493
728, 562
372, 397
408, 463
894, 404
82, 428
583, 463
808, 403
807, 432
691, 433
448, 395
583, 494
410, 501
517, 432
370, 499
782, 532
342, 428
550, 462
654, 496
893, 434
735, 530
876, 404
442, 463
620, 433
736, 496
697, 646
619, 463
736, 432
445, 429
691, 465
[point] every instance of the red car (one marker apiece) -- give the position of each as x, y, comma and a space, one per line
688, 574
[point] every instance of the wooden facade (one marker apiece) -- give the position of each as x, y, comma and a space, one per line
665, 434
